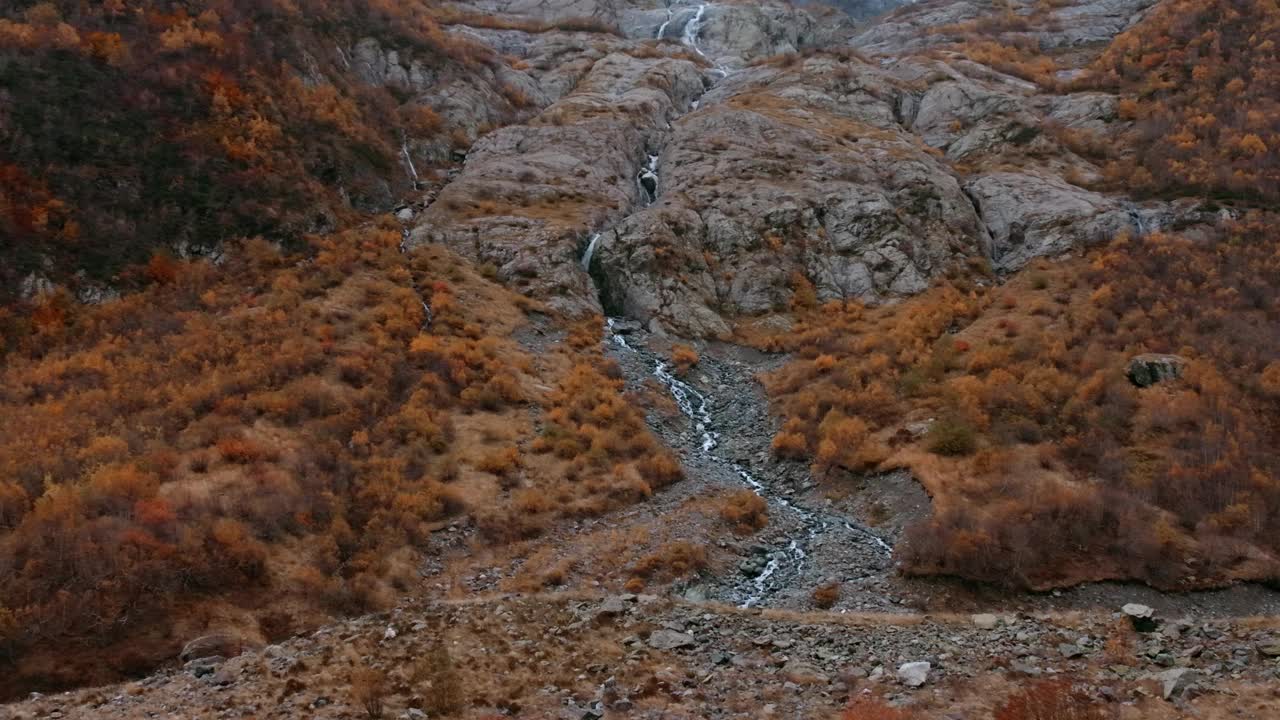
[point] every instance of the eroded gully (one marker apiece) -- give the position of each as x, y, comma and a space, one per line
726, 440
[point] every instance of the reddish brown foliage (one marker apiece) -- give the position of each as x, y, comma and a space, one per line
1065, 470
1051, 700
1203, 78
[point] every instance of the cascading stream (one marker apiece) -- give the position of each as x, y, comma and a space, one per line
647, 180
693, 29
662, 29
590, 251
696, 406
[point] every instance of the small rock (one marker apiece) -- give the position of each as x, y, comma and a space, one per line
1023, 667
986, 621
1143, 617
669, 640
1271, 649
914, 674
612, 606
802, 673
204, 666
1177, 682
1069, 651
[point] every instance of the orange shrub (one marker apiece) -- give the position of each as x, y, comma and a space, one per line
745, 511
1050, 700
684, 358
827, 595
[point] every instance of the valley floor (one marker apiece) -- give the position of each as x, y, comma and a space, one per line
578, 656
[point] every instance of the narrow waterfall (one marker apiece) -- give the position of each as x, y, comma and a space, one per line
591, 250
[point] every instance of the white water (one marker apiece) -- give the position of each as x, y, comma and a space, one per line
404, 250
1136, 218
662, 29
404, 148
696, 406
648, 172
693, 29
591, 250
685, 396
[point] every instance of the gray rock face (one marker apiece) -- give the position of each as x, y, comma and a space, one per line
864, 9
922, 25
1093, 21
802, 172
908, 28
1038, 215
864, 179
529, 193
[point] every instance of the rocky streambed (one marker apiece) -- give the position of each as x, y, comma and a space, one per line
723, 438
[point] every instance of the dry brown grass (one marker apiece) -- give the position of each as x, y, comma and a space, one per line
369, 690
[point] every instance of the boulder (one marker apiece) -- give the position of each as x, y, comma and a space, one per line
914, 674
985, 621
1070, 651
669, 640
612, 606
802, 673
223, 644
1143, 617
1150, 369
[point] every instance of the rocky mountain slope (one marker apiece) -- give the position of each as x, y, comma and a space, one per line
866, 166
616, 358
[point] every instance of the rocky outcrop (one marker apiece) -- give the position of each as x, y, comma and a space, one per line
529, 194
932, 23
1034, 215
863, 179
865, 9
732, 34
788, 174
1150, 369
